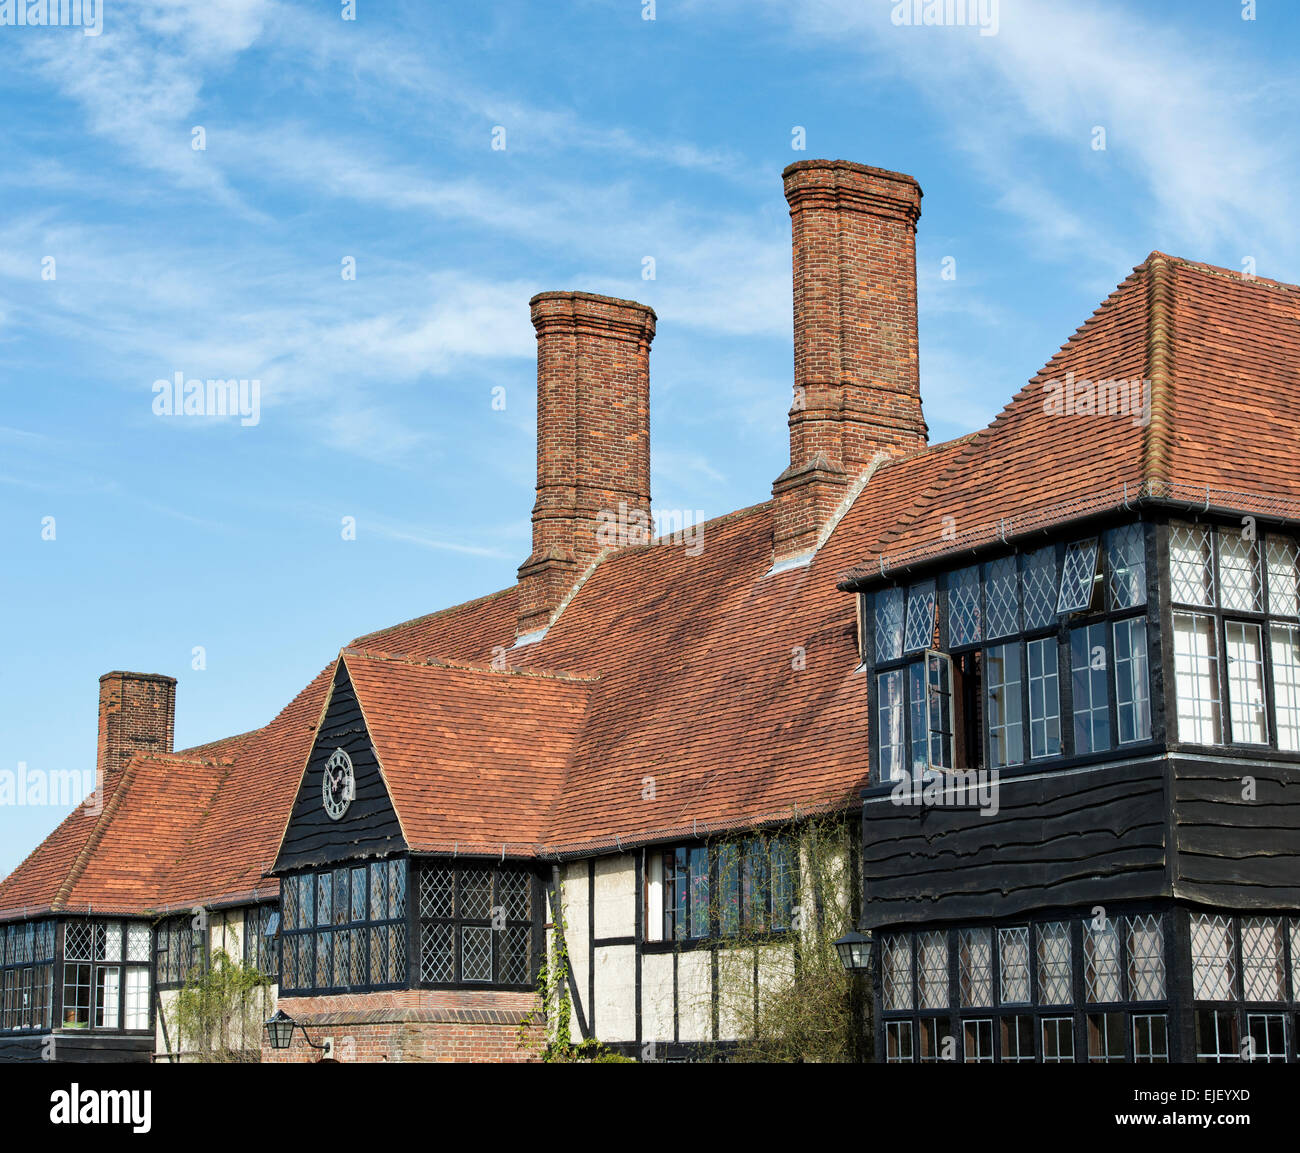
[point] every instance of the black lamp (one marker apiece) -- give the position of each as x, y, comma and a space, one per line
854, 949
281, 1028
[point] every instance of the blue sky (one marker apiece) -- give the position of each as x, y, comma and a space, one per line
625, 138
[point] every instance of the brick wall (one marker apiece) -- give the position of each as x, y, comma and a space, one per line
410, 1025
857, 385
137, 714
593, 437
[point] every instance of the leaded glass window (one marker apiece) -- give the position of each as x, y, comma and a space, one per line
1214, 966
889, 724
1001, 598
1044, 699
1054, 971
1078, 576
1191, 570
343, 928
1146, 958
1039, 578
476, 924
1126, 560
1285, 647
1263, 959
889, 624
932, 969
1013, 961
1247, 712
1101, 966
27, 975
1240, 586
1150, 1038
975, 967
897, 954
964, 607
1196, 678
919, 633
1132, 691
1003, 706
1089, 685
1283, 585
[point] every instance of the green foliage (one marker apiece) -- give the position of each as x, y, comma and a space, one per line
807, 1008
553, 1043
219, 1012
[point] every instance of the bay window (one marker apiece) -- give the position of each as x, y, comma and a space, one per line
477, 924
1196, 678
106, 975
26, 975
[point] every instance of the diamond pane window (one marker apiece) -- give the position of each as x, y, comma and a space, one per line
341, 896
1146, 959
1013, 961
476, 894
1078, 576
897, 970
324, 895
1054, 971
475, 953
306, 900
379, 889
1214, 969
137, 941
1126, 560
975, 967
1283, 585
919, 633
397, 895
360, 966
1263, 959
964, 607
1101, 962
932, 969
108, 941
1001, 598
1038, 576
889, 624
516, 894
78, 940
438, 954
289, 902
1240, 586
438, 893
1295, 960
1191, 573
397, 954
515, 954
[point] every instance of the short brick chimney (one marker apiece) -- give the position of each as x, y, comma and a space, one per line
137, 714
857, 386
593, 442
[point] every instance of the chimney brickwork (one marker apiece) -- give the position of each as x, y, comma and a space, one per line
137, 714
593, 441
857, 385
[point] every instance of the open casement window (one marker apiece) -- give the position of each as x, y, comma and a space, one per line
1080, 578
914, 712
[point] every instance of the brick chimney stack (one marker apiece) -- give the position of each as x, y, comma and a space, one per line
137, 714
857, 387
593, 442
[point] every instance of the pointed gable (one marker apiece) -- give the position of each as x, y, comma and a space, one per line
369, 825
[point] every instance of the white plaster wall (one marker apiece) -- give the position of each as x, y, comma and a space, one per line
616, 992
694, 982
657, 997
576, 897
616, 896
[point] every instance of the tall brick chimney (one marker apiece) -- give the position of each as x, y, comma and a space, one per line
857, 388
593, 441
137, 714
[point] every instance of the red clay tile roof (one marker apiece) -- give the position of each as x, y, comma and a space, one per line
1220, 355
705, 693
474, 758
